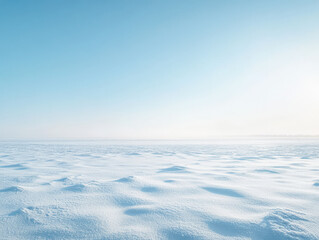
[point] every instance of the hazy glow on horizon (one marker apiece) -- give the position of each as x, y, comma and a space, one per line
158, 69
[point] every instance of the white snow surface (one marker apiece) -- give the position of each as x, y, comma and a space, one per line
222, 189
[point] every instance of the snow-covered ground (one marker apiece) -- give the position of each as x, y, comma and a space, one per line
223, 189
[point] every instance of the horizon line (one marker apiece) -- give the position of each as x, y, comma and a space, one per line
166, 139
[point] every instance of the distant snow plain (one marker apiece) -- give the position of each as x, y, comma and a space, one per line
221, 189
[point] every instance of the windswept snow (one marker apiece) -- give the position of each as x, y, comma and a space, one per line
252, 189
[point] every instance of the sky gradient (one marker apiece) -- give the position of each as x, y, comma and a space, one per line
158, 69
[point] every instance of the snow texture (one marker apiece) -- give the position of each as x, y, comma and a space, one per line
254, 189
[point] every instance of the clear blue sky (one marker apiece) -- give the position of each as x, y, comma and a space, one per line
158, 69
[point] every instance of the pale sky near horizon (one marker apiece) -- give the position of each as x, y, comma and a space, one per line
158, 69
